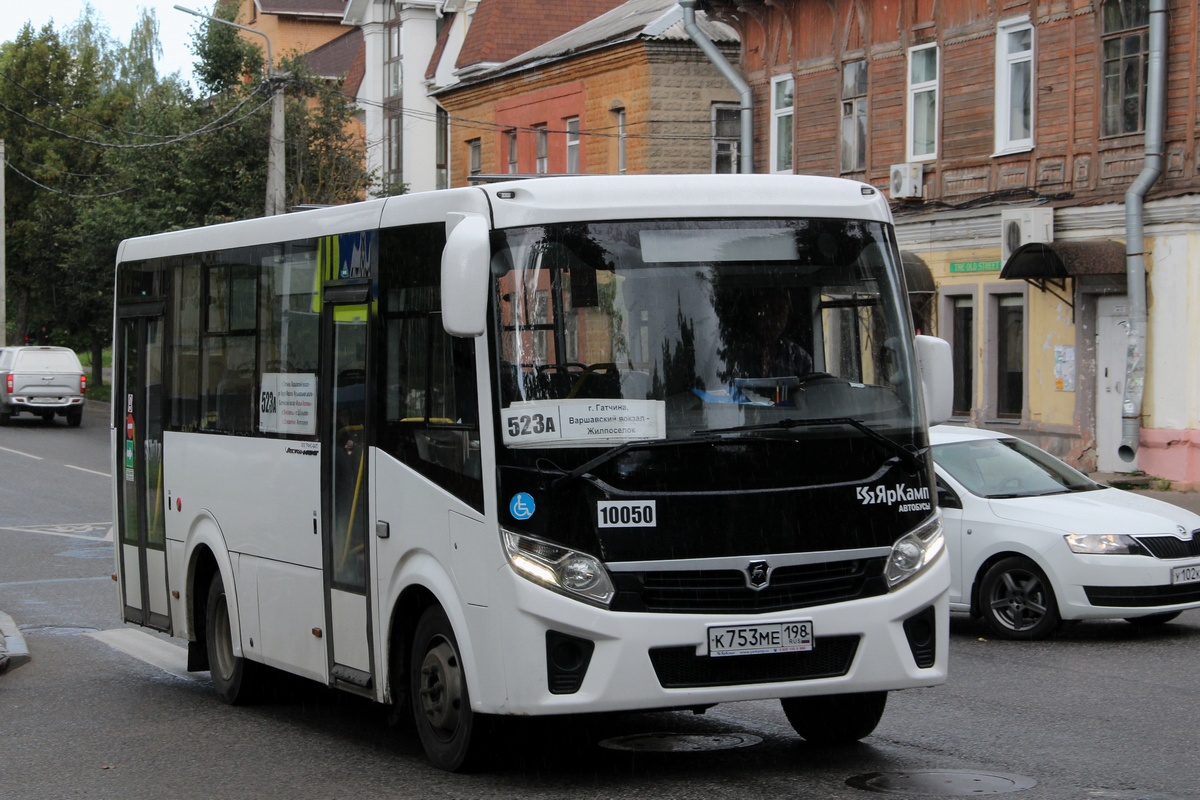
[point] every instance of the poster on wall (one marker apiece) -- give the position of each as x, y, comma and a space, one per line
1064, 368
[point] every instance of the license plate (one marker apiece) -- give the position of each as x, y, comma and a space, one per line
1186, 574
43, 399
775, 637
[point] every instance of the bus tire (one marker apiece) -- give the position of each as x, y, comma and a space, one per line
233, 677
835, 719
450, 732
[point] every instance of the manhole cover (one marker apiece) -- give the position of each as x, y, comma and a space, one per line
941, 783
681, 742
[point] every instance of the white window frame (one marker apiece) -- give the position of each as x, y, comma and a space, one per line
853, 108
572, 126
542, 143
726, 144
621, 141
916, 89
513, 153
1006, 61
778, 114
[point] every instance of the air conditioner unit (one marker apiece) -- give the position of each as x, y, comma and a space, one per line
906, 181
1020, 226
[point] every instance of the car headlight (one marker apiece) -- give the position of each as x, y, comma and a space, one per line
1102, 544
914, 551
570, 572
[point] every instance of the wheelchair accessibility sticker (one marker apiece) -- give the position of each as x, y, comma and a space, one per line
522, 506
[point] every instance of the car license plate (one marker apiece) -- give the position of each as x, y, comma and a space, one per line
1185, 574
745, 640
43, 399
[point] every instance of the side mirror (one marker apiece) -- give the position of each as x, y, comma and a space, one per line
937, 377
466, 262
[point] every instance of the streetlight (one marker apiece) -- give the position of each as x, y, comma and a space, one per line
275, 156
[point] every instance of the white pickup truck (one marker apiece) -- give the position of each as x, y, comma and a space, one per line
45, 381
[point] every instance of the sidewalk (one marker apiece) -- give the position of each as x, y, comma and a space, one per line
13, 652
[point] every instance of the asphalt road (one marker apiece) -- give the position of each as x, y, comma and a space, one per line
1104, 710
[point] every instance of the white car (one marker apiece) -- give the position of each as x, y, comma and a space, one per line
1032, 541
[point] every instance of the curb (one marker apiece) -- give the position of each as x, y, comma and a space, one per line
13, 652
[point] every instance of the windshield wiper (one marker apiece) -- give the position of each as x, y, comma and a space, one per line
624, 447
916, 458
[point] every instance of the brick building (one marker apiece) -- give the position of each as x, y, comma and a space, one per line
627, 91
997, 125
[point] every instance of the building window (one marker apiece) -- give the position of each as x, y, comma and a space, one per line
1010, 355
1126, 44
1014, 86
475, 151
442, 156
962, 350
854, 116
782, 114
543, 149
512, 153
573, 144
726, 133
621, 141
922, 102
393, 105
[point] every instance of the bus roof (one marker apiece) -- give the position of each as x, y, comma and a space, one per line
577, 198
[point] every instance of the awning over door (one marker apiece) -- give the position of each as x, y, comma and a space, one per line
1048, 265
1059, 260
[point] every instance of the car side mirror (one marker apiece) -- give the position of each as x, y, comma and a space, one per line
946, 497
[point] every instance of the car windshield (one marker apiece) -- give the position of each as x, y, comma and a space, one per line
616, 332
1004, 468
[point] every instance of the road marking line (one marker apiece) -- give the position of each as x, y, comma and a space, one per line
156, 652
65, 530
85, 469
18, 452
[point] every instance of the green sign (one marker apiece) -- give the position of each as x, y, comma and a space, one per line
974, 266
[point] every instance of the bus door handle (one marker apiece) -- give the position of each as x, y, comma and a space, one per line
382, 529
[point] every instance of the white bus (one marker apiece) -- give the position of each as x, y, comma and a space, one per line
533, 448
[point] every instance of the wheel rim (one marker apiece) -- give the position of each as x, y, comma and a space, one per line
222, 640
440, 692
1019, 600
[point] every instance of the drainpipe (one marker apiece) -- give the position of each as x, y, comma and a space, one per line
732, 75
1135, 246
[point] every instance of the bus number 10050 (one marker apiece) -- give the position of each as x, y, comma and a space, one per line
625, 514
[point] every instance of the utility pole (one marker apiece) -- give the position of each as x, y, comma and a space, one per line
3, 250
276, 194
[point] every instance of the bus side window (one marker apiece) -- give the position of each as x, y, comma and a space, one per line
428, 406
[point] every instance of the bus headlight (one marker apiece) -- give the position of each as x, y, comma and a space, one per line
575, 574
914, 551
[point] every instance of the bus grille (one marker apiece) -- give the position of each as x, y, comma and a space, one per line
1171, 547
726, 592
679, 667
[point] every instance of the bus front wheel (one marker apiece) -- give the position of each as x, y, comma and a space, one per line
450, 732
233, 677
836, 719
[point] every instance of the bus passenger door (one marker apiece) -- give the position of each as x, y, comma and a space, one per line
141, 528
344, 500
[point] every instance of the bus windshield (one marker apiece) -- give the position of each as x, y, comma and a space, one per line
619, 332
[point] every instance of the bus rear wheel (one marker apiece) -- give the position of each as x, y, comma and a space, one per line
233, 677
450, 732
836, 719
